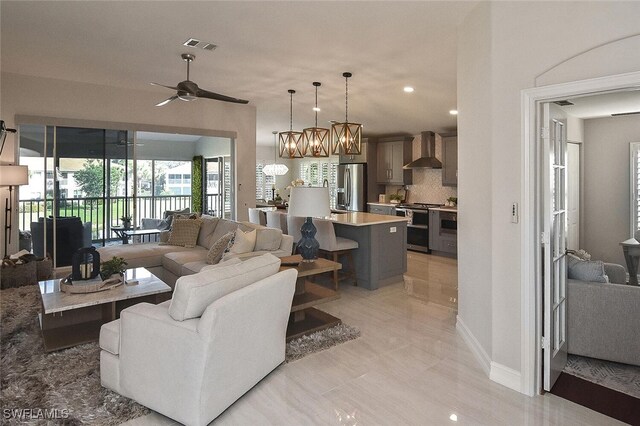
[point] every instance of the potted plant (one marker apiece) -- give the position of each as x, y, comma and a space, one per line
117, 265
453, 201
126, 221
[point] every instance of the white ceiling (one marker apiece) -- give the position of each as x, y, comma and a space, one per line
265, 48
605, 104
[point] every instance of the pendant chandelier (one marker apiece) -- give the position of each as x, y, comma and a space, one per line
316, 139
291, 143
346, 137
275, 169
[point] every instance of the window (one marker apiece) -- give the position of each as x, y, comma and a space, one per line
315, 172
264, 184
635, 186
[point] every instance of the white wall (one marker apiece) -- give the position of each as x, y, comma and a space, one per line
26, 95
209, 146
606, 185
474, 177
503, 48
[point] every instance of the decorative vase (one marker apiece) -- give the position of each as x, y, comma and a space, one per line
308, 246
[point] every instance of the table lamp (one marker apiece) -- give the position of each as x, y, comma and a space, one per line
11, 176
308, 201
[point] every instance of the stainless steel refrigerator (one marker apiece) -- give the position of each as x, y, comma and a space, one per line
352, 187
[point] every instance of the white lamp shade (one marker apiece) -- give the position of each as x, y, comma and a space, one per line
275, 169
14, 175
309, 201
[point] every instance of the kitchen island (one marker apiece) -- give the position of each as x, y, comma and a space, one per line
381, 257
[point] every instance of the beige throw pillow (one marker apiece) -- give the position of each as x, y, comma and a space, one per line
217, 249
268, 239
244, 242
184, 232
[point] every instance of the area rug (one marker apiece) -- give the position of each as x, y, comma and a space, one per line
621, 377
66, 384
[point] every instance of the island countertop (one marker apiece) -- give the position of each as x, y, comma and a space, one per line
365, 219
445, 209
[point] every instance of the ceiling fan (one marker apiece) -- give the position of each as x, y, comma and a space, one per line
189, 91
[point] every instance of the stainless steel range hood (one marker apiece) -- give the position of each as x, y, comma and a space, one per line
427, 158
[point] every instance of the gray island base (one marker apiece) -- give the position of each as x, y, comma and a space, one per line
381, 257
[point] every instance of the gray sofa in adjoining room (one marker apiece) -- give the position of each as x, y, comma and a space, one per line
603, 319
169, 262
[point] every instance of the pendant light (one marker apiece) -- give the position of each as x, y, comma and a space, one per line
275, 169
346, 137
316, 139
291, 143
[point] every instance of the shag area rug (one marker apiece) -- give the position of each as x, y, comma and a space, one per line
69, 380
624, 378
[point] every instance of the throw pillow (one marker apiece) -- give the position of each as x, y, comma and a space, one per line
586, 270
194, 293
217, 249
184, 232
268, 239
244, 242
168, 215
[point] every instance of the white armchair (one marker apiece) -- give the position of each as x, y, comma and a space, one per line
192, 369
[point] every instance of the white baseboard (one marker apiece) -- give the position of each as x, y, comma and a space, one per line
497, 372
477, 349
506, 376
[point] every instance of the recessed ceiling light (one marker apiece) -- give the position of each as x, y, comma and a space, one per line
453, 112
453, 418
408, 89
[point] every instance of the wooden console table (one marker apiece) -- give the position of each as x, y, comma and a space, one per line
306, 319
631, 250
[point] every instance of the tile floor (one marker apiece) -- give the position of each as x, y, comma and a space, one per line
410, 367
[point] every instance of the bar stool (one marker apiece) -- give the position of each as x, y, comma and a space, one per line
333, 247
278, 220
257, 216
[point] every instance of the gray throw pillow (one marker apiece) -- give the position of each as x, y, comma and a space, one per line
218, 248
586, 270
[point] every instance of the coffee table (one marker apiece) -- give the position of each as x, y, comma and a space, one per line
141, 233
68, 319
304, 318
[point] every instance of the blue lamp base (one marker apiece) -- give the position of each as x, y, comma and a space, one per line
308, 246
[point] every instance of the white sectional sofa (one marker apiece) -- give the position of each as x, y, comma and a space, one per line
190, 358
170, 262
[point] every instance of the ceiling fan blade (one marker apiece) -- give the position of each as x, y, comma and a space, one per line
162, 85
166, 101
218, 97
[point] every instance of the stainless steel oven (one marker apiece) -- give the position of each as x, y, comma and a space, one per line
417, 228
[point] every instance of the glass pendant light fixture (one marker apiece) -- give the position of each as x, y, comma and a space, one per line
291, 143
346, 136
275, 169
316, 139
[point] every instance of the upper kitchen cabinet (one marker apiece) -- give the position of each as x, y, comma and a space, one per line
352, 158
393, 153
449, 160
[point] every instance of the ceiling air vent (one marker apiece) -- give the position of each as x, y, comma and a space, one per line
564, 102
192, 42
625, 113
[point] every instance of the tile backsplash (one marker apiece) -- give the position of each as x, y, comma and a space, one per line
427, 183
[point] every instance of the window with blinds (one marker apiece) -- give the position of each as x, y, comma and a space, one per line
264, 184
315, 172
635, 186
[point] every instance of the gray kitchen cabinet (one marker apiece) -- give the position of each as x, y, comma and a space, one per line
450, 160
379, 209
392, 154
352, 158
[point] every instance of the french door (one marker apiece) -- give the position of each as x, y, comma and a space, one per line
217, 187
554, 196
